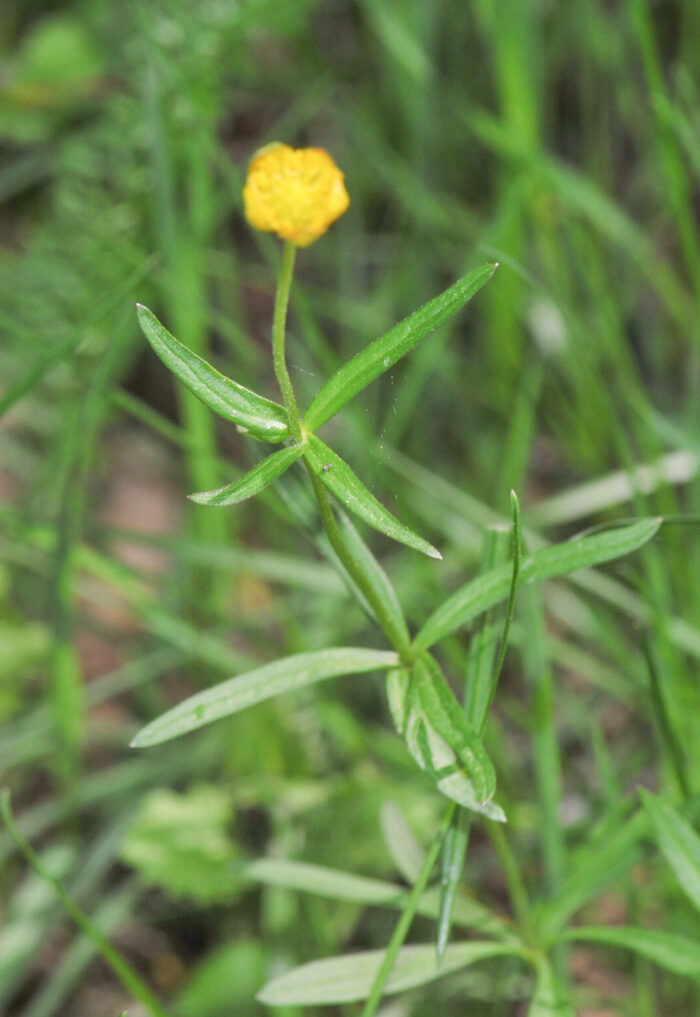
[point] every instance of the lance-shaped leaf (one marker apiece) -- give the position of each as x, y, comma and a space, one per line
380, 355
375, 576
349, 978
488, 589
679, 843
255, 480
337, 476
448, 718
338, 885
453, 854
679, 954
263, 418
431, 751
264, 682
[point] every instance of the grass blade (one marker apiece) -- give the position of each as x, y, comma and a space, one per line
121, 967
263, 683
679, 844
254, 481
453, 854
263, 418
667, 949
380, 355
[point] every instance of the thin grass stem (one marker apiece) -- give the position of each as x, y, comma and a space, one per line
121, 967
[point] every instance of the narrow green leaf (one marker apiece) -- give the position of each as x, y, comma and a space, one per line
447, 717
254, 481
337, 885
483, 592
407, 853
263, 418
383, 353
322, 881
483, 645
430, 750
679, 844
264, 682
341, 481
598, 864
374, 575
551, 999
349, 978
667, 949
453, 854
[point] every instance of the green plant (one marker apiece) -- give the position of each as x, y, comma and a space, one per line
559, 140
443, 736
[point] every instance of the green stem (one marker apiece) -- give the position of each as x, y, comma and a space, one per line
121, 967
394, 634
330, 524
279, 324
407, 916
516, 886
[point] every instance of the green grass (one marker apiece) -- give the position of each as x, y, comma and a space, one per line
559, 141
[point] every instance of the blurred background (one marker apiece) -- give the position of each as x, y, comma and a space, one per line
561, 140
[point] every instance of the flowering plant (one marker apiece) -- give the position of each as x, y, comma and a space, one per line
298, 194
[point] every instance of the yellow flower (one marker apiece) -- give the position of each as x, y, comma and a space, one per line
294, 192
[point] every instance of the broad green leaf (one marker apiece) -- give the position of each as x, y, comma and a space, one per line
179, 842
337, 885
337, 476
679, 844
254, 481
551, 998
430, 750
667, 949
348, 979
383, 353
264, 682
483, 592
224, 981
263, 418
445, 714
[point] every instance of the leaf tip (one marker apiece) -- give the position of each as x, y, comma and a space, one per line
433, 552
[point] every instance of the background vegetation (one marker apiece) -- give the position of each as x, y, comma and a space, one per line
561, 140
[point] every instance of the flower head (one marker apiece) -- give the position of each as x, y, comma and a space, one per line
294, 192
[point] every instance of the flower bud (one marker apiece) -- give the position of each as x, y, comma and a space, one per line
294, 192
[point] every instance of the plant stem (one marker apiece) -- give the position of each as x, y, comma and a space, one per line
121, 967
516, 887
407, 916
279, 324
330, 524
